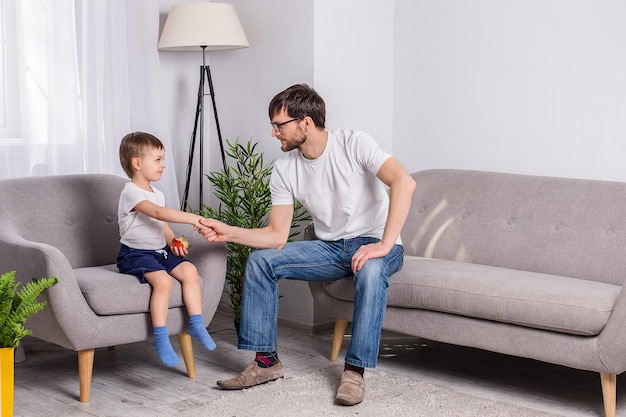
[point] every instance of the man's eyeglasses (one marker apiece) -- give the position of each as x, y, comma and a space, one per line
276, 126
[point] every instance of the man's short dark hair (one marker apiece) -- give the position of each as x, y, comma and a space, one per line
300, 101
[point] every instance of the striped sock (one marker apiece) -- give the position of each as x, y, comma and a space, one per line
356, 369
266, 359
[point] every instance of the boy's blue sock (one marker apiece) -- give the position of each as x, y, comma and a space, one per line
197, 330
164, 347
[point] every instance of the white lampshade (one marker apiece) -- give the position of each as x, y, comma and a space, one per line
192, 26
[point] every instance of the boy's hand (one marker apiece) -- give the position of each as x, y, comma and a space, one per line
180, 246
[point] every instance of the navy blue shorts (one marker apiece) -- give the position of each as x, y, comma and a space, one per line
139, 261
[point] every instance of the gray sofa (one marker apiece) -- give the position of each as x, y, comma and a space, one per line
66, 226
528, 266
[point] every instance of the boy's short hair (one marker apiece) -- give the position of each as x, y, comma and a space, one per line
134, 145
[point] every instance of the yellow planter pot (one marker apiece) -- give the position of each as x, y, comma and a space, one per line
7, 372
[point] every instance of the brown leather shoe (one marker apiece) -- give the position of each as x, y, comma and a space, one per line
351, 389
253, 375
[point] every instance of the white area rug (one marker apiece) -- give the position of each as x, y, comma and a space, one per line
312, 395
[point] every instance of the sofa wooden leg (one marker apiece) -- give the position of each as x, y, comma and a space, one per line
85, 370
609, 385
184, 339
340, 330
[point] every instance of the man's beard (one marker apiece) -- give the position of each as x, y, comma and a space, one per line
289, 146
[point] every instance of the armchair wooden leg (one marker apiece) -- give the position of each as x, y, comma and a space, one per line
85, 370
609, 385
340, 330
184, 339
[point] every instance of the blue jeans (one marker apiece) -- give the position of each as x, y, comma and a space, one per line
317, 260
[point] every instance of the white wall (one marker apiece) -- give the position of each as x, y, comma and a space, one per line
280, 54
354, 65
533, 87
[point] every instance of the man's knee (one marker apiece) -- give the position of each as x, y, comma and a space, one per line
373, 273
257, 257
259, 263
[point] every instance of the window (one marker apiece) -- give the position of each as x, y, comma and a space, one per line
9, 82
3, 95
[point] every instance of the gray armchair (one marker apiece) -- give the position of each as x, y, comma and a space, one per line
66, 226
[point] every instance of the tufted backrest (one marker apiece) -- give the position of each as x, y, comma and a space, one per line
561, 226
78, 216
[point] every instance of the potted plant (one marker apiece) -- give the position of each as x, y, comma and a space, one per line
245, 201
16, 306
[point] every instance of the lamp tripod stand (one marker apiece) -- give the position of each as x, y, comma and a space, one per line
198, 129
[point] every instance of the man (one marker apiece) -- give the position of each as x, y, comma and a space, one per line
341, 178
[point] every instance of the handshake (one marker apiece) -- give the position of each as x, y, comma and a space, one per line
212, 230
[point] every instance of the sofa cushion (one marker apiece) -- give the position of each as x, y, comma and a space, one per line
556, 303
108, 292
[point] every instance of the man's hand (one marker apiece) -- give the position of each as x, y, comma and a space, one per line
366, 252
212, 230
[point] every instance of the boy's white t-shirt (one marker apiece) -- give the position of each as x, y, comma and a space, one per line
137, 230
339, 189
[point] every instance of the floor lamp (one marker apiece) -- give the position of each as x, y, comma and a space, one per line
202, 27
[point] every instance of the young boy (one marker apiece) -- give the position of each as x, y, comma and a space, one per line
149, 249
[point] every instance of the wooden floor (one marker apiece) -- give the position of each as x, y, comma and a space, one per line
130, 380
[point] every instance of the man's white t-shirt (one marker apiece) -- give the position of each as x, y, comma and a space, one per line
339, 188
137, 230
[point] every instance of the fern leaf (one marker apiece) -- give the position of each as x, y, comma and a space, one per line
17, 305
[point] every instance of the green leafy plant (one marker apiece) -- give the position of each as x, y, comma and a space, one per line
18, 306
245, 201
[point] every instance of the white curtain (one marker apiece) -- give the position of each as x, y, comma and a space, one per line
89, 74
